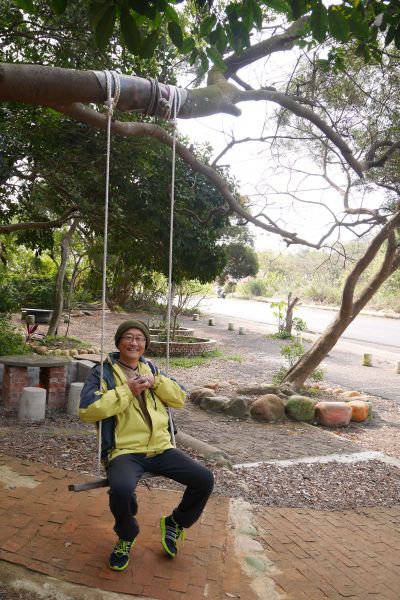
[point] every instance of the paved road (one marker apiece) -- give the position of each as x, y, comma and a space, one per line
375, 330
343, 366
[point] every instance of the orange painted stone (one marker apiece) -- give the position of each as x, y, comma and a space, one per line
359, 410
333, 414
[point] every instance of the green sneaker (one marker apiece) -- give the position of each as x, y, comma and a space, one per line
171, 534
119, 557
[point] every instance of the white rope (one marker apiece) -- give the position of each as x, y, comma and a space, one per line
111, 102
112, 78
174, 103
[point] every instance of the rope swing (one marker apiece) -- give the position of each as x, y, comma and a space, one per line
167, 109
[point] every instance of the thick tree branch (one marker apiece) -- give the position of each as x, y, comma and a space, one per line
347, 308
390, 264
276, 43
95, 119
48, 86
305, 113
68, 214
371, 161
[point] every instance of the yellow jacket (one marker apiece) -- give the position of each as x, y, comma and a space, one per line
124, 427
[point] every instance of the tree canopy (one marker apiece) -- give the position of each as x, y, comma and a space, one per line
204, 30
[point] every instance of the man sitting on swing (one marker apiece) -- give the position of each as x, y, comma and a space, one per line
135, 437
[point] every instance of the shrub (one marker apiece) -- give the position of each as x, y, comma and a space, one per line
21, 292
11, 340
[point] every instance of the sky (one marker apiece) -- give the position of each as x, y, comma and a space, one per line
250, 163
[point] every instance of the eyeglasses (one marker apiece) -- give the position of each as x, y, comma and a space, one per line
134, 338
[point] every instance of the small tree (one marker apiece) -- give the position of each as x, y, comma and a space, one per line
242, 261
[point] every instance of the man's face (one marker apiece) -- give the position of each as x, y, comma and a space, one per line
132, 345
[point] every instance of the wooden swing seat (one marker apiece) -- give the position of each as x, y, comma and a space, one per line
99, 483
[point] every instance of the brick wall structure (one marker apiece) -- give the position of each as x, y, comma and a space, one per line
54, 380
182, 348
52, 377
14, 381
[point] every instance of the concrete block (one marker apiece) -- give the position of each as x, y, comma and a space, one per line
32, 406
83, 369
74, 397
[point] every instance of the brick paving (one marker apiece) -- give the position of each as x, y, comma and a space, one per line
307, 554
330, 555
69, 536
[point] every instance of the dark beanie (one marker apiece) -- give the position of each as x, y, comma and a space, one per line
129, 325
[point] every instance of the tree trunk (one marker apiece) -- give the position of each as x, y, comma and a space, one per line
59, 291
289, 313
349, 308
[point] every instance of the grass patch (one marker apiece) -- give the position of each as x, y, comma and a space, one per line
66, 343
234, 358
187, 362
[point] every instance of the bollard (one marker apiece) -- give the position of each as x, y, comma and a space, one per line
195, 317
74, 397
367, 360
242, 330
32, 406
398, 366
30, 319
211, 321
231, 327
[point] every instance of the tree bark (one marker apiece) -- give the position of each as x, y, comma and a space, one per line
289, 312
59, 291
349, 308
68, 214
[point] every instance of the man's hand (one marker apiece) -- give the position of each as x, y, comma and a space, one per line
138, 384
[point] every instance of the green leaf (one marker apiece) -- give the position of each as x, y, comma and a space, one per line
319, 21
397, 37
338, 24
175, 33
216, 58
247, 16
96, 12
298, 7
258, 16
280, 6
105, 27
358, 25
59, 6
218, 38
149, 45
207, 25
25, 5
171, 14
143, 8
204, 61
130, 31
193, 56
390, 34
188, 45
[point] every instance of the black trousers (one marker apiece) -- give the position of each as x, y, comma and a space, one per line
124, 472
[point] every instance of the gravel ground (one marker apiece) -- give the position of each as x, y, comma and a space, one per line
64, 442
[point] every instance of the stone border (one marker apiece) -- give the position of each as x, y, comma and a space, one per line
181, 332
201, 345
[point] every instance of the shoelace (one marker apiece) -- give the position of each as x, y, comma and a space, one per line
123, 548
175, 533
